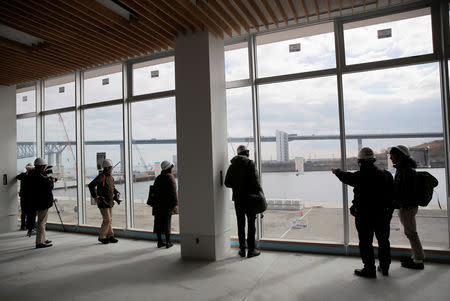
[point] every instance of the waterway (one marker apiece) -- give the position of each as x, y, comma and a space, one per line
315, 188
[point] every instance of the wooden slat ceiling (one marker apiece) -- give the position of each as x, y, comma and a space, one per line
79, 34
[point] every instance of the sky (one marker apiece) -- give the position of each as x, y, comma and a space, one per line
395, 100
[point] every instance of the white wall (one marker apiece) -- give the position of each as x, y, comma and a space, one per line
8, 159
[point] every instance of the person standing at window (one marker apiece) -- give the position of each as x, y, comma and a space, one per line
372, 208
42, 186
243, 178
103, 192
405, 198
166, 203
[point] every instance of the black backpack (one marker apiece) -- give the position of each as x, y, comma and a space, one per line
424, 189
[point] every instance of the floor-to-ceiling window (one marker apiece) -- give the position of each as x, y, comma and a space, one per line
398, 105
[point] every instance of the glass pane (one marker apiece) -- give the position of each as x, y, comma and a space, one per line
26, 146
389, 37
59, 92
400, 101
60, 152
240, 131
103, 84
26, 100
236, 62
300, 145
103, 132
154, 76
154, 140
294, 51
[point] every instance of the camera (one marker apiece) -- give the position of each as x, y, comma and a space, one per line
49, 173
117, 199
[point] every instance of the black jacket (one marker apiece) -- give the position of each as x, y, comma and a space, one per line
41, 187
405, 183
243, 178
373, 190
25, 191
166, 194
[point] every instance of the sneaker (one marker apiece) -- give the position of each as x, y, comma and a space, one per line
103, 240
112, 239
44, 245
253, 253
161, 244
406, 259
413, 265
365, 273
384, 271
169, 245
242, 252
48, 241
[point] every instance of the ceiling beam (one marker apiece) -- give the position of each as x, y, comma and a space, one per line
225, 16
259, 13
271, 13
282, 12
213, 17
172, 14
247, 14
305, 10
183, 12
236, 15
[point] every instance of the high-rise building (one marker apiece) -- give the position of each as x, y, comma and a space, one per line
282, 145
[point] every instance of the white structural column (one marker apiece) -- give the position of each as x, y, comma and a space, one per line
8, 159
202, 146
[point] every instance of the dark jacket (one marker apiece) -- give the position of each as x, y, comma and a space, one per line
25, 191
373, 190
405, 183
103, 186
243, 178
166, 194
41, 187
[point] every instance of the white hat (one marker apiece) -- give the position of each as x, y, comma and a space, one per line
40, 162
366, 153
402, 149
166, 165
107, 163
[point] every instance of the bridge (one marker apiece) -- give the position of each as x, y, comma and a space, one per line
28, 149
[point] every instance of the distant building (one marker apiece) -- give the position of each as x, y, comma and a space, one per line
282, 145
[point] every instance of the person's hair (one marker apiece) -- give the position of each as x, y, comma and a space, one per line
367, 162
167, 170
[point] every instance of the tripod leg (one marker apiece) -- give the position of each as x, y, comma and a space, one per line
57, 211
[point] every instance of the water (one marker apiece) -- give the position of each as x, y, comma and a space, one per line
314, 188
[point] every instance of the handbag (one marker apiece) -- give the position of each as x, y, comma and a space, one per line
258, 202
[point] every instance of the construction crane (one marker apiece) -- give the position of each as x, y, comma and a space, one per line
141, 158
69, 145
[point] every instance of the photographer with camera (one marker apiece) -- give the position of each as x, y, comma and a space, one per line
104, 193
42, 185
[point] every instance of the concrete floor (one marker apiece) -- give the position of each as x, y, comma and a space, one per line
77, 267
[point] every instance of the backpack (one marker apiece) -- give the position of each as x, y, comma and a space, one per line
151, 200
425, 184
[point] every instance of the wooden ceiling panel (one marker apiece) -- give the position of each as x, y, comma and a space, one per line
81, 34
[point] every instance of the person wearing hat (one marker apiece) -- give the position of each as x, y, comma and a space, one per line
166, 203
41, 186
103, 192
372, 207
28, 214
242, 177
404, 195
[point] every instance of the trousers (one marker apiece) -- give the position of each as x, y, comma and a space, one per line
241, 213
106, 228
407, 217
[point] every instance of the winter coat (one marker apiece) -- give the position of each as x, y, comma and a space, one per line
41, 187
405, 183
166, 194
373, 190
103, 186
25, 192
242, 177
